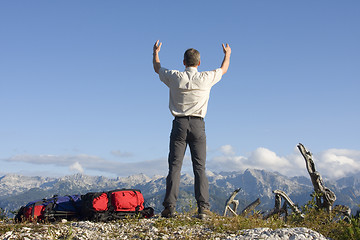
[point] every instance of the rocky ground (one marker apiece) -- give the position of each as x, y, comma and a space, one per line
155, 228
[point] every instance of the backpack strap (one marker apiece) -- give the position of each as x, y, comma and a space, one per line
38, 203
48, 210
137, 208
110, 205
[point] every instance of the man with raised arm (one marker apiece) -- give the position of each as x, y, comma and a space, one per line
188, 101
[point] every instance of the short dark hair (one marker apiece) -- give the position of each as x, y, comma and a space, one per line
191, 57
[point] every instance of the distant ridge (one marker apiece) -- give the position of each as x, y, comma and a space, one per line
17, 190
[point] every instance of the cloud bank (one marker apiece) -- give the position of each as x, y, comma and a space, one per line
82, 163
331, 163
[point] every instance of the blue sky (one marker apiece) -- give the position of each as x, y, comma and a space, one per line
78, 92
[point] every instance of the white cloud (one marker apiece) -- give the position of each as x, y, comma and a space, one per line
261, 158
338, 163
268, 159
76, 167
332, 163
227, 163
227, 150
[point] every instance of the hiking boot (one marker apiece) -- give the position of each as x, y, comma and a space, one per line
168, 212
204, 213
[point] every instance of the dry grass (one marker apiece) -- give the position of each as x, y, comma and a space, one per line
188, 227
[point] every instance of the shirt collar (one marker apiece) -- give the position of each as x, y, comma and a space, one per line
191, 69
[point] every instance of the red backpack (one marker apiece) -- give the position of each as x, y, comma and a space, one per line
116, 204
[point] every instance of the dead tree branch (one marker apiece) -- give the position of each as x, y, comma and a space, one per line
325, 198
231, 201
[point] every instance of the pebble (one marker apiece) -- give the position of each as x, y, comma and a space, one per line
281, 234
145, 229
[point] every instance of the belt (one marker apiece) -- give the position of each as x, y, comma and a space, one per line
189, 117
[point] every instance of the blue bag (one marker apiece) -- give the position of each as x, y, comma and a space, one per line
51, 209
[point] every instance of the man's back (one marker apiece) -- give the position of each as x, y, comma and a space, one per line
189, 90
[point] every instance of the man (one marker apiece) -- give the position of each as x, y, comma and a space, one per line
189, 96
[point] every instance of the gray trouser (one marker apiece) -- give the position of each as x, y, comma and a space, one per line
191, 131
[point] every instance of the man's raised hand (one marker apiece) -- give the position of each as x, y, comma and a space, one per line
157, 46
226, 49
156, 59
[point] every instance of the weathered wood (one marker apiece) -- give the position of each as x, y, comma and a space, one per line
288, 201
280, 210
325, 198
231, 201
250, 207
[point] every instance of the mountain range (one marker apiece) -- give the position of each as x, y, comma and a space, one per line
17, 190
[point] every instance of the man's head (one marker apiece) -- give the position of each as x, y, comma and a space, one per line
191, 58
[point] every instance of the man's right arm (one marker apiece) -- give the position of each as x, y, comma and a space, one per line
156, 59
226, 62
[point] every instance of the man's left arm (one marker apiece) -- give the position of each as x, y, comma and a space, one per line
156, 59
226, 62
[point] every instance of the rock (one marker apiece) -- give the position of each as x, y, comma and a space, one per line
154, 228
